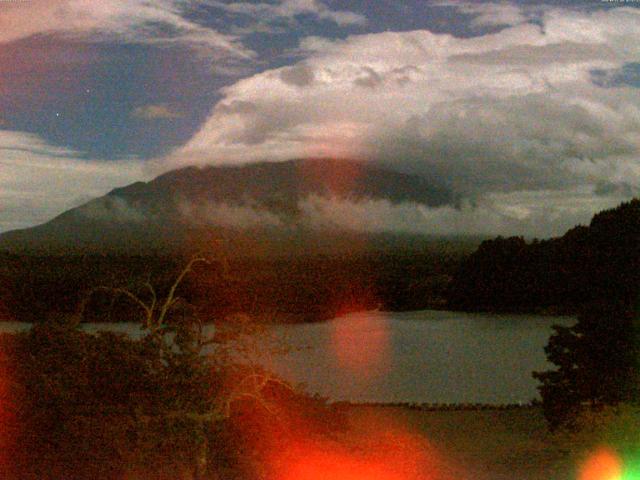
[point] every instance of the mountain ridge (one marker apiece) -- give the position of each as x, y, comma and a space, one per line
264, 199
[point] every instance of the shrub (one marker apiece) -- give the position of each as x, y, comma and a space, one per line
106, 406
596, 363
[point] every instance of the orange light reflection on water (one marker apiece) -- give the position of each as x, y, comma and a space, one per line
361, 344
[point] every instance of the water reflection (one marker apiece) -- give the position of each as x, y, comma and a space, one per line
422, 357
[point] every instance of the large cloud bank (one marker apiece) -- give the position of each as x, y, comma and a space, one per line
533, 128
513, 121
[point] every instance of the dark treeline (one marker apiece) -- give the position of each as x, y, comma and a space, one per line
591, 271
559, 275
297, 288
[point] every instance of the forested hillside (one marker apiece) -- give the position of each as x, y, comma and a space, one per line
558, 275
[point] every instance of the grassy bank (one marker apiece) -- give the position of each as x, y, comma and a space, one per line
491, 444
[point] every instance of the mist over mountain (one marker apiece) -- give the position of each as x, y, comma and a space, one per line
296, 201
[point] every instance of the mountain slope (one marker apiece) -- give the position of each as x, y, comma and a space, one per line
279, 202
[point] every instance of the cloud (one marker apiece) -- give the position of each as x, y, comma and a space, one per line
369, 78
300, 75
522, 213
156, 112
529, 213
289, 9
228, 215
513, 111
39, 181
113, 209
161, 22
492, 14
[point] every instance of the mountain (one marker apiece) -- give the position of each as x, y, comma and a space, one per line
279, 203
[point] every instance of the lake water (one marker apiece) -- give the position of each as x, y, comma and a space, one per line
424, 356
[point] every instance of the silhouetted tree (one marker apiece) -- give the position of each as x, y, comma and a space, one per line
596, 362
597, 358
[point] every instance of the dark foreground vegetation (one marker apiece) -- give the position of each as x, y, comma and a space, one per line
80, 406
77, 406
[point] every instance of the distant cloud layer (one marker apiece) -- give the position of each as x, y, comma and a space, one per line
514, 112
541, 214
38, 181
491, 14
267, 12
155, 112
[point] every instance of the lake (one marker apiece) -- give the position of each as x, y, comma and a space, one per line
423, 356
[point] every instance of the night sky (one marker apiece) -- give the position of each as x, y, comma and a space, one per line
530, 111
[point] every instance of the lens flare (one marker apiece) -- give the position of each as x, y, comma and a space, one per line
337, 466
604, 464
299, 439
631, 470
339, 178
339, 140
6, 417
361, 343
382, 451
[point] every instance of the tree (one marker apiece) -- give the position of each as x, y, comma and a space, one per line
596, 362
96, 406
597, 358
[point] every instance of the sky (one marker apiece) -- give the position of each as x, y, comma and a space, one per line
528, 111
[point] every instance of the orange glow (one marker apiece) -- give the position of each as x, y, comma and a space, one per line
337, 466
340, 139
380, 451
361, 343
339, 178
293, 442
6, 418
604, 464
